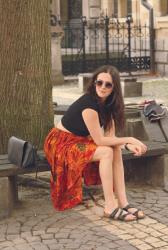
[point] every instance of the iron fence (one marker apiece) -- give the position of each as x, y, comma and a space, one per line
88, 44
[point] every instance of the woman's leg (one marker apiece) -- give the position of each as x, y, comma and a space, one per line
118, 177
119, 181
104, 155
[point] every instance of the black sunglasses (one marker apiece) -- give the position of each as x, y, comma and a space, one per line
108, 85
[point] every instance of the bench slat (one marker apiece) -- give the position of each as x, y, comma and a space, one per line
10, 169
154, 149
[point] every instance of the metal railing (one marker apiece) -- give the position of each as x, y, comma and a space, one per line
88, 44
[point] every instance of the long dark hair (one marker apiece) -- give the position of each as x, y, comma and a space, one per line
114, 104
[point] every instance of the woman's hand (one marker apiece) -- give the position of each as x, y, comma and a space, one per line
138, 150
135, 142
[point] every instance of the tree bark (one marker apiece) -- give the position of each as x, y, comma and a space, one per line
25, 63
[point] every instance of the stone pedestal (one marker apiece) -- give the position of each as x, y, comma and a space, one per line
56, 61
83, 80
131, 88
9, 195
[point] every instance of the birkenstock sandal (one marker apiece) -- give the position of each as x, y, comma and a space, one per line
119, 214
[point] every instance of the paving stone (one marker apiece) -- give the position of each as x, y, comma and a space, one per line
9, 248
24, 246
151, 239
159, 244
141, 235
47, 236
2, 238
26, 234
53, 230
111, 245
55, 247
136, 242
144, 247
39, 232
164, 248
102, 248
122, 243
147, 221
165, 238
164, 230
61, 235
33, 239
50, 242
38, 246
6, 244
126, 236
156, 234
12, 236
129, 247
18, 241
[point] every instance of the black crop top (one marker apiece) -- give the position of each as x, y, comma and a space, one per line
73, 120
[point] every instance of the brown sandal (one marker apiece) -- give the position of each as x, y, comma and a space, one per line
136, 213
119, 214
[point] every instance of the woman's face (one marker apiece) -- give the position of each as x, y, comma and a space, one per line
104, 85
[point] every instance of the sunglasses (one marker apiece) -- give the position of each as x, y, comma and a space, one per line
108, 85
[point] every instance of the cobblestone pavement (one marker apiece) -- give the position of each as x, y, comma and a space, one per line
35, 225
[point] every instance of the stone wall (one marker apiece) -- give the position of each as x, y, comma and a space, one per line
161, 45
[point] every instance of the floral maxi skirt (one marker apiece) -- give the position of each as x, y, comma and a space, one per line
69, 157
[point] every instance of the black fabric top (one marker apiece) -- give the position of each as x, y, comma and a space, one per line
73, 120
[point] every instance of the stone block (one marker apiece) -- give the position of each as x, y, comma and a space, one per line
94, 3
160, 68
148, 170
166, 172
161, 57
166, 44
135, 128
94, 12
131, 88
166, 69
9, 195
159, 44
83, 80
155, 171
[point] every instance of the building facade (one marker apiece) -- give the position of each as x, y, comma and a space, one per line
71, 11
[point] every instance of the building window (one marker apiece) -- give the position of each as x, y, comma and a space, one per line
129, 7
115, 8
75, 9
164, 7
122, 8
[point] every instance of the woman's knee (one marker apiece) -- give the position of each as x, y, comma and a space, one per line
103, 152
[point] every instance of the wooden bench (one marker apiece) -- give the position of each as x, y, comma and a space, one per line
8, 182
61, 109
153, 160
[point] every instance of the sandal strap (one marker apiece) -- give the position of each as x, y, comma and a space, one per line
114, 212
129, 206
123, 214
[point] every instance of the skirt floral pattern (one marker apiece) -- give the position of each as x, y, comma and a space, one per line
69, 157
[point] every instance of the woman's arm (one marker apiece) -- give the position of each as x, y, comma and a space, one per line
91, 120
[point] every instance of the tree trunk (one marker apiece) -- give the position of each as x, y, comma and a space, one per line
25, 63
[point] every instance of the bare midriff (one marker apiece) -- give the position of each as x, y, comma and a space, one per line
61, 127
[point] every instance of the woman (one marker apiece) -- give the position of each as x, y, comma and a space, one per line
85, 137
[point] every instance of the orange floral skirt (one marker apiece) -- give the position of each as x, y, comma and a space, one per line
69, 157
